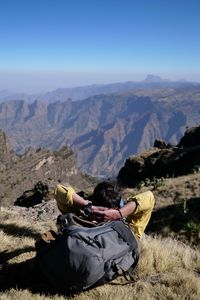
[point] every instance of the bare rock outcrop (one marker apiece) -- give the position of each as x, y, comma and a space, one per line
191, 138
20, 173
7, 156
163, 161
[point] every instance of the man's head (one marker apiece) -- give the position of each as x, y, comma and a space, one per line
107, 194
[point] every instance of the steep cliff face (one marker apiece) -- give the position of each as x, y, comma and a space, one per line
4, 148
24, 123
6, 155
103, 130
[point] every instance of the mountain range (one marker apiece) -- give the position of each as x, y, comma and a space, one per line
83, 92
103, 130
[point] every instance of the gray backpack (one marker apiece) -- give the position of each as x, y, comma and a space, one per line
83, 257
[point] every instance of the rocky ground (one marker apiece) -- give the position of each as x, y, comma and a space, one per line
45, 211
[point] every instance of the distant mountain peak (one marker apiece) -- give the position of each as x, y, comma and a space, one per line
154, 78
183, 80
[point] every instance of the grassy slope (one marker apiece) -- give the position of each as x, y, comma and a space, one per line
167, 269
171, 190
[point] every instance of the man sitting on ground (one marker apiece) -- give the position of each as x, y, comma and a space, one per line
108, 205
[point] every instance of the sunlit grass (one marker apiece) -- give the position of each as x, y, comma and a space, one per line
167, 269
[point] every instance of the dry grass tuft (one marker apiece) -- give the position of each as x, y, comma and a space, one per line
167, 269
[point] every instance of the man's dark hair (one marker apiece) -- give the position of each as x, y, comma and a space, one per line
107, 194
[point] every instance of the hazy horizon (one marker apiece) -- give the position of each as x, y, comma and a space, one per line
41, 83
61, 44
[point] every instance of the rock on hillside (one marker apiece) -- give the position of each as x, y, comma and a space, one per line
165, 162
47, 166
191, 138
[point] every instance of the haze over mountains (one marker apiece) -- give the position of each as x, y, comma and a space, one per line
83, 92
103, 130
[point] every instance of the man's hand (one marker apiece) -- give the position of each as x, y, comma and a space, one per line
103, 214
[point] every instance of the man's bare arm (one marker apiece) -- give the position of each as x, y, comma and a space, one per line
79, 201
105, 214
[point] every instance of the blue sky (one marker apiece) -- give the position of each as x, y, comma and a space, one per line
46, 44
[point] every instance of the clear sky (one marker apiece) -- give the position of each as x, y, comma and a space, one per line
46, 44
